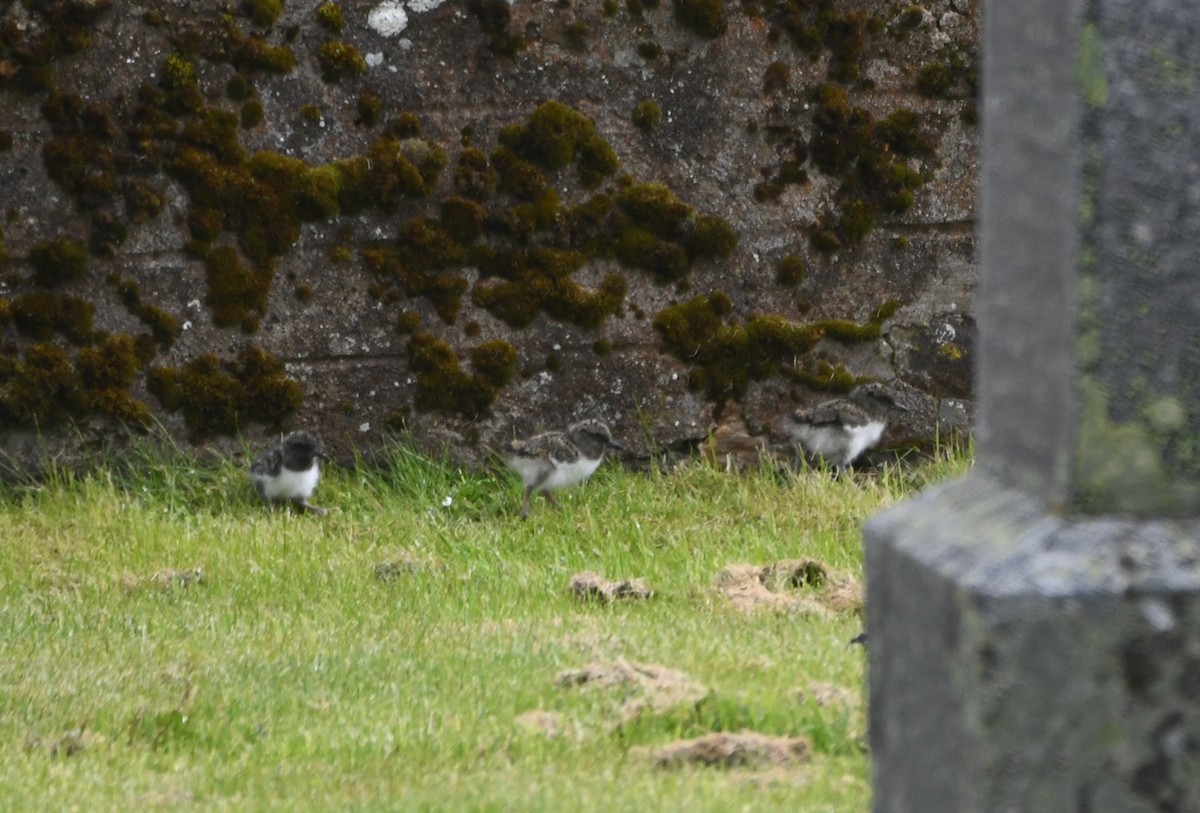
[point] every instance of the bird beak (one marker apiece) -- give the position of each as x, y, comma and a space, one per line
612, 444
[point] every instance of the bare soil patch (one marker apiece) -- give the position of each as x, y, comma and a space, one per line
643, 686
790, 585
166, 579
592, 586
744, 749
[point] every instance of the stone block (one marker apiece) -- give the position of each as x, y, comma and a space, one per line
1023, 662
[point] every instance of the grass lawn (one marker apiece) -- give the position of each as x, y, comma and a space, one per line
168, 643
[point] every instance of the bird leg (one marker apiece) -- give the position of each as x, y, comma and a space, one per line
801, 460
525, 506
303, 505
550, 498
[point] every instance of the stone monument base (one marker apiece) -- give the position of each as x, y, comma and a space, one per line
1024, 661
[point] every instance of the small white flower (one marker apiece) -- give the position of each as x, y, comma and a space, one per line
447, 502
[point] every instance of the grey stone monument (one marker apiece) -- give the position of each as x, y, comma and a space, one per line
1035, 627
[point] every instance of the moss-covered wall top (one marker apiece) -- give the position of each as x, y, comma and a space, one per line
465, 219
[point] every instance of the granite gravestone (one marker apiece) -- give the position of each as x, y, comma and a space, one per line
1035, 627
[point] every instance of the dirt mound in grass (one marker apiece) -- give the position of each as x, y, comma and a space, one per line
166, 579
744, 749
643, 686
845, 596
792, 585
591, 586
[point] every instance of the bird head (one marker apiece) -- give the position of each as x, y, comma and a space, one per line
303, 444
598, 431
877, 392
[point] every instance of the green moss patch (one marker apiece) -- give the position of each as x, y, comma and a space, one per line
339, 58
330, 16
462, 218
40, 315
474, 176
705, 17
60, 28
263, 198
506, 219
725, 357
555, 135
58, 262
443, 386
538, 280
262, 12
81, 154
790, 271
370, 109
163, 326
236, 293
647, 116
870, 158
494, 17
221, 397
41, 389
143, 200
46, 387
111, 365
393, 170
662, 235
424, 261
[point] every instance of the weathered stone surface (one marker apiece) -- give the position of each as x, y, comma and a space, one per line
1032, 628
1022, 661
1140, 347
745, 136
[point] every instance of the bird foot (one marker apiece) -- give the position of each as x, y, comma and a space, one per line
304, 506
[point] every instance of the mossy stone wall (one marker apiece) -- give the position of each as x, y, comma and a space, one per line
233, 219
